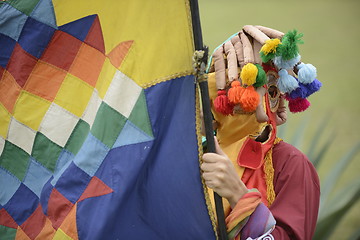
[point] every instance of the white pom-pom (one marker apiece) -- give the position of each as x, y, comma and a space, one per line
280, 63
286, 82
306, 73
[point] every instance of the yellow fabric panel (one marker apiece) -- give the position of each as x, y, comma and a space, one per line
4, 121
106, 75
60, 235
164, 51
69, 96
30, 109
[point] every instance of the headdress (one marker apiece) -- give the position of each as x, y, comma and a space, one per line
262, 56
248, 75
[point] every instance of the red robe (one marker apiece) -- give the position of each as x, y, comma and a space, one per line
296, 185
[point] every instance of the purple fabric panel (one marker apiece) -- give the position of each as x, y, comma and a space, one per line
259, 223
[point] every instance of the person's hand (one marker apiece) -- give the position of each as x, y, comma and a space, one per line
220, 175
281, 114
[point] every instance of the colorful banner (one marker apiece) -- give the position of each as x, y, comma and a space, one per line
98, 130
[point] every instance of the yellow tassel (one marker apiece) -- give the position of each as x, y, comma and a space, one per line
248, 74
270, 46
269, 174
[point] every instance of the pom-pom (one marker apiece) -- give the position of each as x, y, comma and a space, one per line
261, 76
235, 92
266, 58
300, 92
270, 46
281, 63
306, 73
249, 99
312, 87
222, 103
288, 48
286, 83
298, 105
248, 74
268, 50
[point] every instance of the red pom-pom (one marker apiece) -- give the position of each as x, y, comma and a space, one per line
250, 99
222, 103
298, 104
235, 92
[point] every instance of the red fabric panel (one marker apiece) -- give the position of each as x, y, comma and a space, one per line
297, 191
251, 154
58, 208
34, 224
62, 50
6, 220
95, 37
95, 188
21, 65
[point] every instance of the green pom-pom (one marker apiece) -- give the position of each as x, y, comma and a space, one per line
266, 58
289, 45
261, 77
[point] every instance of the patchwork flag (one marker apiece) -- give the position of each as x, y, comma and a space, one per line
98, 130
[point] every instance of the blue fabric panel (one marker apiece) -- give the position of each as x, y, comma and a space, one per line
45, 195
7, 46
131, 134
158, 192
11, 21
62, 164
35, 37
8, 184
36, 176
44, 12
79, 28
73, 182
91, 155
25, 201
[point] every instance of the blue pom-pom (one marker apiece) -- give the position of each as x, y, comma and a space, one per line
312, 87
286, 82
300, 92
280, 63
306, 73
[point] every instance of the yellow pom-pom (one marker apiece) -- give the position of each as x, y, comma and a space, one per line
270, 46
248, 74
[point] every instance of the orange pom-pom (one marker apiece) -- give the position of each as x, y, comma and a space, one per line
235, 92
250, 99
222, 103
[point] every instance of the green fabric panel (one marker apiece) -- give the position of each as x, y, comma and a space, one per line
107, 125
77, 137
45, 151
140, 116
25, 6
7, 233
15, 160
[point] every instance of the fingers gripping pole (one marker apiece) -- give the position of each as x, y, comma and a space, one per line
195, 17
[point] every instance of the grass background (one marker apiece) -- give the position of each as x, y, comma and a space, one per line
331, 35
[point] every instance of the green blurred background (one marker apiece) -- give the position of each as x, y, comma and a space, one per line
331, 35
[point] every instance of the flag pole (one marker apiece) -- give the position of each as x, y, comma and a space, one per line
198, 41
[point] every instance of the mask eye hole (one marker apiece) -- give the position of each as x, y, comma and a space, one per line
273, 91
